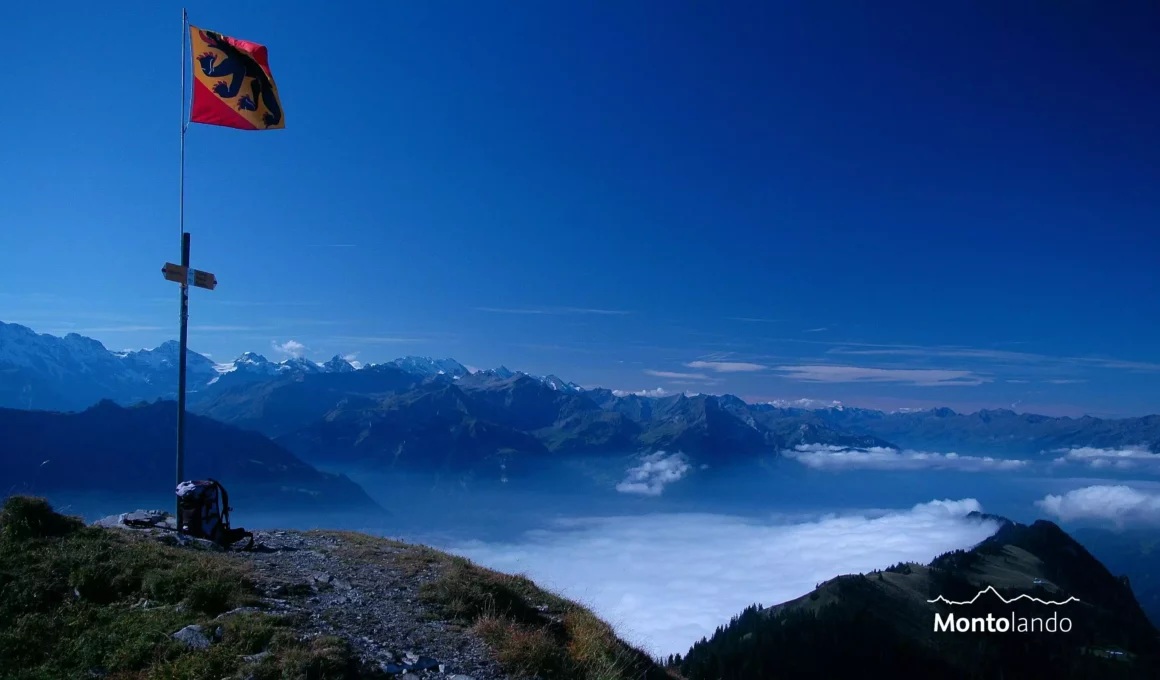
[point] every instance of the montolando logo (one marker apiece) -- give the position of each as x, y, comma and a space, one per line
1004, 622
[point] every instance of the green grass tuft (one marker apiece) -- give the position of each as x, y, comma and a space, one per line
533, 632
24, 517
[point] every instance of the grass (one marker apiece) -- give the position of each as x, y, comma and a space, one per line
69, 607
532, 631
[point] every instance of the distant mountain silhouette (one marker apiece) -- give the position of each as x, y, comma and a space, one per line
112, 448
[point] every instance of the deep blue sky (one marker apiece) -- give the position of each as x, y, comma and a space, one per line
861, 196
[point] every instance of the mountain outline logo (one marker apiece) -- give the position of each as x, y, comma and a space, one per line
1021, 596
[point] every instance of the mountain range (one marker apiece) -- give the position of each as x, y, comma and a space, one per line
130, 449
423, 412
885, 622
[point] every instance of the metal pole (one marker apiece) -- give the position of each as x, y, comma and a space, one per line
184, 124
184, 286
181, 363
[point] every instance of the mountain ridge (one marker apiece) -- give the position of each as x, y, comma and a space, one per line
889, 619
301, 399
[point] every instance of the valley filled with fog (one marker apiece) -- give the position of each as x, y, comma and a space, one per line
667, 550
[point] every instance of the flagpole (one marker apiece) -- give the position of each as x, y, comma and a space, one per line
184, 286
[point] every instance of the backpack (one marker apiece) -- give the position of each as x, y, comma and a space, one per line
204, 512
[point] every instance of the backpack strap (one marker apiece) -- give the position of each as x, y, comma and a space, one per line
225, 502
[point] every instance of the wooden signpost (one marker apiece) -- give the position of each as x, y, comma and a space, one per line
186, 276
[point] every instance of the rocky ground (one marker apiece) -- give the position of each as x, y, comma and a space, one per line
361, 589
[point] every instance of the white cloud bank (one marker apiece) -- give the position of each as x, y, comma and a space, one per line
1122, 459
658, 392
830, 457
290, 347
654, 472
664, 580
1119, 504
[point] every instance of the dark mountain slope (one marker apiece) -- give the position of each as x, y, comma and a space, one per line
997, 431
112, 448
435, 427
881, 625
280, 405
1134, 553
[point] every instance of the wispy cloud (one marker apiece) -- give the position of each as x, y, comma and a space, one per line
726, 366
1121, 459
1065, 381
552, 310
824, 373
750, 319
653, 473
816, 330
120, 329
375, 339
829, 457
254, 303
290, 347
1119, 504
991, 355
676, 375
553, 348
667, 580
352, 359
225, 329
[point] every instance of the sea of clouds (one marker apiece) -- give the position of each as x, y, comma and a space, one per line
830, 457
666, 580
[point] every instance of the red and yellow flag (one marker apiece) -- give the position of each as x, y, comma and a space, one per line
232, 85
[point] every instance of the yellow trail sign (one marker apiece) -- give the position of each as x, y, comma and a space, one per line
188, 276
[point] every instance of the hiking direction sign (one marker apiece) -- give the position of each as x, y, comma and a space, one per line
189, 276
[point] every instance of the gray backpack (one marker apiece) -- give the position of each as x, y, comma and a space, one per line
204, 512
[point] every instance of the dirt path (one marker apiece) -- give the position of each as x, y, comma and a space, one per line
367, 591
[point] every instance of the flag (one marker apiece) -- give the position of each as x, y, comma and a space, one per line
232, 85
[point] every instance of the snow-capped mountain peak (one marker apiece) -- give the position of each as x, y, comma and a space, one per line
560, 385
429, 366
338, 364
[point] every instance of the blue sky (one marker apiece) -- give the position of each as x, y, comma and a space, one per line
900, 207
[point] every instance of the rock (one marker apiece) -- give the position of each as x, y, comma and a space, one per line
182, 541
322, 578
255, 658
235, 612
144, 518
460, 677
218, 633
193, 637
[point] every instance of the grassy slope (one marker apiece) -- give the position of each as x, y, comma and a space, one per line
69, 597
890, 609
531, 631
